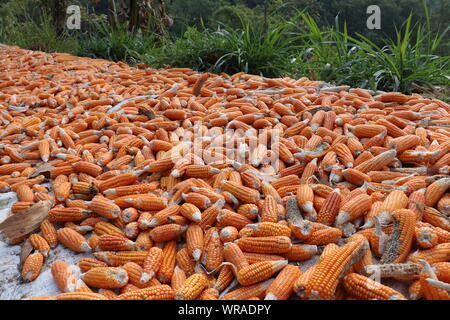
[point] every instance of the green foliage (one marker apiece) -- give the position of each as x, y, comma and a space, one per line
24, 24
117, 43
322, 40
230, 50
401, 64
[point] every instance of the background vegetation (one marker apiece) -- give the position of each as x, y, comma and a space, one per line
321, 39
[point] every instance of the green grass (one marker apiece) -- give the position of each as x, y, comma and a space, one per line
32, 29
230, 50
402, 64
297, 47
118, 43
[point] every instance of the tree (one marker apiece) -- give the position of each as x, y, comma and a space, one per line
143, 15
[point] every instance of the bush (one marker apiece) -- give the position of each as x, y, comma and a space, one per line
23, 25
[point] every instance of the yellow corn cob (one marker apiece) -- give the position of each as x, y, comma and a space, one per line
158, 292
197, 199
84, 188
106, 277
330, 209
120, 180
24, 193
145, 202
73, 240
233, 254
435, 191
229, 234
266, 229
129, 190
324, 236
67, 214
328, 249
185, 262
103, 227
256, 290
274, 244
88, 168
6, 169
167, 267
395, 200
209, 294
353, 209
282, 287
324, 280
269, 210
439, 253
49, 233
161, 216
136, 275
212, 256
259, 271
258, 257
64, 277
436, 219
40, 244
242, 193
32, 267
161, 165
210, 214
62, 190
153, 261
80, 296
108, 293
115, 259
192, 287
105, 208
365, 288
115, 243
131, 230
191, 212
143, 241
88, 263
300, 252
178, 278
377, 162
167, 232
302, 281
194, 241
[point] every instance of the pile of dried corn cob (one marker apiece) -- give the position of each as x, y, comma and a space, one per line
360, 180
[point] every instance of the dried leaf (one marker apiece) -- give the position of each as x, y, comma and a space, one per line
25, 251
26, 221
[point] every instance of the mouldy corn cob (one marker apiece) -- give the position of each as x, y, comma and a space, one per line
401, 239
